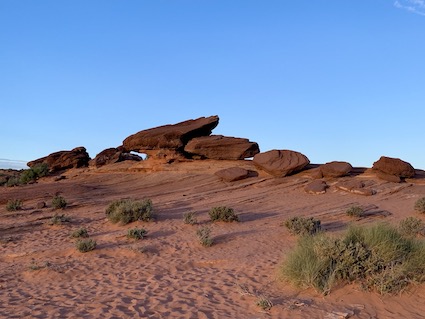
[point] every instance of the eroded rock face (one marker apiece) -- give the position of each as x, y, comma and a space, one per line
281, 162
355, 187
335, 169
173, 136
78, 157
393, 166
235, 174
113, 155
221, 147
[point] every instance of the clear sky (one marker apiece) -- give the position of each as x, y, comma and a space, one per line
335, 80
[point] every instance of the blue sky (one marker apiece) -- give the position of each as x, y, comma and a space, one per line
335, 80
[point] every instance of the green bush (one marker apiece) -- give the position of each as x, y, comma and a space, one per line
14, 205
223, 213
80, 233
411, 226
136, 233
59, 219
204, 236
355, 211
58, 202
29, 175
420, 205
303, 226
85, 245
127, 211
190, 218
380, 258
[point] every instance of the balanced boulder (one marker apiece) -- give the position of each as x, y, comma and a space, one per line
281, 162
172, 136
335, 169
393, 166
221, 147
78, 157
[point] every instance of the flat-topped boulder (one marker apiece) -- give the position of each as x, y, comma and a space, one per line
387, 166
232, 174
113, 155
78, 157
172, 136
281, 162
316, 187
221, 147
335, 169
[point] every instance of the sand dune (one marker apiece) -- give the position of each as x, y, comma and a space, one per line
169, 274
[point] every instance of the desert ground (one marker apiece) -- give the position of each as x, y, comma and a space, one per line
169, 274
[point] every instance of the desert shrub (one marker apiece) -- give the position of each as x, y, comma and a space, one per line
223, 213
355, 211
380, 258
13, 205
204, 236
303, 226
59, 219
29, 175
420, 205
80, 233
136, 233
58, 202
411, 226
13, 181
126, 211
190, 218
264, 303
85, 245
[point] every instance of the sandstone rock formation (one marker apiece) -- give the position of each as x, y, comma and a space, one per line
281, 162
78, 157
221, 147
232, 174
335, 169
316, 187
173, 136
113, 155
355, 187
387, 166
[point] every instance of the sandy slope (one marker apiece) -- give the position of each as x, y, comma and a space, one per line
169, 274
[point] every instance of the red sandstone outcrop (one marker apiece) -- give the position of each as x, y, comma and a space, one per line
221, 147
281, 162
232, 174
393, 169
335, 169
316, 187
172, 136
78, 157
113, 155
355, 187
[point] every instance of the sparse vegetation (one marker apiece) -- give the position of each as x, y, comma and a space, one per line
58, 202
303, 226
136, 233
223, 213
59, 219
85, 245
29, 175
378, 257
264, 303
420, 205
411, 226
14, 205
126, 211
190, 218
204, 236
80, 233
355, 211
36, 266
